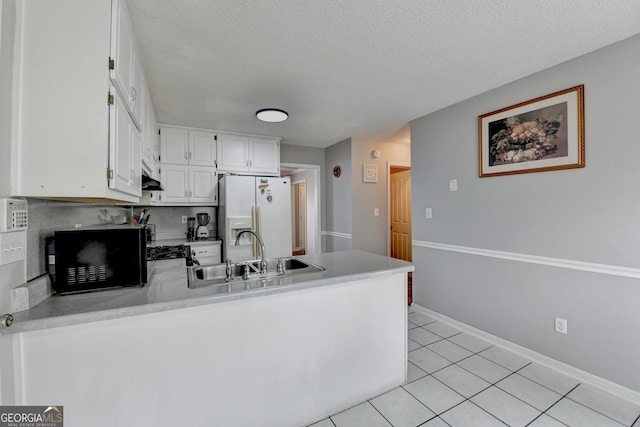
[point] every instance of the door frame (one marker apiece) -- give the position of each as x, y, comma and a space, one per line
316, 202
392, 164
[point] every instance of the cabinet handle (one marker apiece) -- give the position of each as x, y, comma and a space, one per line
134, 94
186, 155
190, 193
190, 153
185, 193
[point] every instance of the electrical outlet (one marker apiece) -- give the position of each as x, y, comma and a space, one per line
561, 325
428, 213
184, 219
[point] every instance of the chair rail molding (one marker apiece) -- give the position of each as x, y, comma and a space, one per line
336, 234
612, 270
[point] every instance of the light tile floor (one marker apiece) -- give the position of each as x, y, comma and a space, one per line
456, 379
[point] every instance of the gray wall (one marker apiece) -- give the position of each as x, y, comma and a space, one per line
338, 206
7, 27
588, 214
307, 156
369, 233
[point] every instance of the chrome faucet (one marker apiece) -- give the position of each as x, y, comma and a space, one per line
263, 261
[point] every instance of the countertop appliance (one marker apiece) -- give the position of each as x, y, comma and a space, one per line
262, 204
91, 258
203, 221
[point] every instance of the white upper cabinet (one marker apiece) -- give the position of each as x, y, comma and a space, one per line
150, 137
248, 154
125, 67
181, 146
137, 95
124, 146
76, 135
120, 61
189, 185
202, 148
174, 146
264, 155
233, 153
188, 167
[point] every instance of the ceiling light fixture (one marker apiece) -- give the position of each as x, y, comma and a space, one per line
272, 115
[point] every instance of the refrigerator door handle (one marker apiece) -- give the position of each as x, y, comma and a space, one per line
254, 226
258, 230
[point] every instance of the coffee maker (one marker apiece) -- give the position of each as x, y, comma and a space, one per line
203, 230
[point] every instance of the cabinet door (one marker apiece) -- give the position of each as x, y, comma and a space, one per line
148, 131
136, 92
174, 146
121, 49
233, 153
203, 185
121, 133
175, 181
264, 155
202, 148
136, 161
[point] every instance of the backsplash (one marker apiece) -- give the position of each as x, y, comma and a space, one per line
46, 216
168, 219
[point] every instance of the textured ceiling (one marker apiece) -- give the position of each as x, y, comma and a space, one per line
353, 68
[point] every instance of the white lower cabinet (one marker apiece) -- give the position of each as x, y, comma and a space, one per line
189, 184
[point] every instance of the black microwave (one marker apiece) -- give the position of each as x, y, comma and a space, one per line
91, 258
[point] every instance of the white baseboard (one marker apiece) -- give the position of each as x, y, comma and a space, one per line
580, 375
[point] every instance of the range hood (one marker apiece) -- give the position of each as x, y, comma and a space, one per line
150, 184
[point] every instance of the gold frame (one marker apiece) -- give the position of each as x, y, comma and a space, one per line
573, 131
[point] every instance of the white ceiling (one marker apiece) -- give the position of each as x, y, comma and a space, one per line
353, 68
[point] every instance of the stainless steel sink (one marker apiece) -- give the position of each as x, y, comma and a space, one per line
207, 275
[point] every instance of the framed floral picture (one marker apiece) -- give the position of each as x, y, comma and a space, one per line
542, 134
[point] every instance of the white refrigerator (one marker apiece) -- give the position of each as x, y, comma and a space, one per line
262, 204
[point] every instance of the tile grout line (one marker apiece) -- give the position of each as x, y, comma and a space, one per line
558, 401
485, 389
376, 409
455, 391
597, 412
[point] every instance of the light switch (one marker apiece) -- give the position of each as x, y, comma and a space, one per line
376, 212
428, 213
453, 185
13, 246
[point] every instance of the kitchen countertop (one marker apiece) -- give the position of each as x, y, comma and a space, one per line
168, 290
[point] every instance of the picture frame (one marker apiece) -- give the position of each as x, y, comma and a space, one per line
542, 134
370, 173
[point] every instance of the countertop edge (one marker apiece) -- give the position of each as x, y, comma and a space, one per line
57, 321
